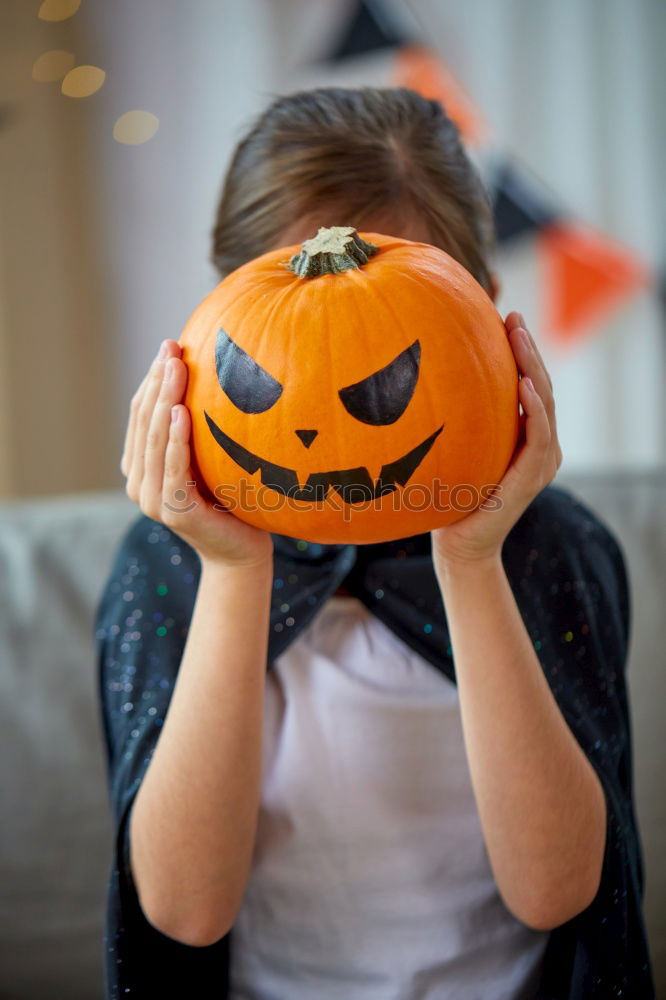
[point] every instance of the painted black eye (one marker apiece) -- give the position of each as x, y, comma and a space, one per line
383, 396
247, 384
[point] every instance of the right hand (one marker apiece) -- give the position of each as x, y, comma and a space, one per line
156, 462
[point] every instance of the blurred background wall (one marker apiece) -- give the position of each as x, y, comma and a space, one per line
105, 244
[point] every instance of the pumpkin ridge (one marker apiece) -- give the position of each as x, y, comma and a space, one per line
381, 294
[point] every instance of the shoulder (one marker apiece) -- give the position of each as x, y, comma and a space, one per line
151, 562
560, 546
153, 541
561, 520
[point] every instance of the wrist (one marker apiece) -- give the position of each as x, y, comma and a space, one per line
258, 567
450, 568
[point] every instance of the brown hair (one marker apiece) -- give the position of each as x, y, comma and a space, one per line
358, 153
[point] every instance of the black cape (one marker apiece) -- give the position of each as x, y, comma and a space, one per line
569, 580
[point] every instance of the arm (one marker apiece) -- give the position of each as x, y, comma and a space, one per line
193, 823
540, 802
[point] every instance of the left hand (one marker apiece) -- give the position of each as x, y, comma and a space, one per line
534, 463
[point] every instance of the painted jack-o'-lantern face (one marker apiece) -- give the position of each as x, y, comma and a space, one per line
349, 392
378, 399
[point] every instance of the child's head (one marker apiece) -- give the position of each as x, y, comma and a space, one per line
381, 160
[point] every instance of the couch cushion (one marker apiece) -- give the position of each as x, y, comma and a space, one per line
633, 505
56, 828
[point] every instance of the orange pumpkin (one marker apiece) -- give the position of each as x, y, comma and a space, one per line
359, 388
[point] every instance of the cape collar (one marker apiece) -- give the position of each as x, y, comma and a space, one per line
395, 580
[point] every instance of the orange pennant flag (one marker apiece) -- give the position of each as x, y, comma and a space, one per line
420, 69
586, 277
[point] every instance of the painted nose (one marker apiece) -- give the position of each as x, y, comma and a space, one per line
307, 437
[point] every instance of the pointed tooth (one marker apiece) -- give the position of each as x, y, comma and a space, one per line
374, 470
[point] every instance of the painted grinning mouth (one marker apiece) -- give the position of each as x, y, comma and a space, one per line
353, 485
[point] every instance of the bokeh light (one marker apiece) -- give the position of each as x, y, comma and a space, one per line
135, 127
58, 10
83, 81
52, 65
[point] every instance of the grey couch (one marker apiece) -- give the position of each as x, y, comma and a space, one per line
55, 839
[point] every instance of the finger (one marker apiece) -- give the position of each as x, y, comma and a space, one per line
512, 320
128, 446
179, 492
170, 349
547, 395
167, 348
143, 415
141, 419
516, 320
548, 399
535, 460
544, 440
535, 348
171, 392
529, 365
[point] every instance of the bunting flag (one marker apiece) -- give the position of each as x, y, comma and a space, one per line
422, 70
370, 29
519, 207
373, 28
579, 276
586, 277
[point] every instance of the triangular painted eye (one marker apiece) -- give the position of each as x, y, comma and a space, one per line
383, 396
246, 383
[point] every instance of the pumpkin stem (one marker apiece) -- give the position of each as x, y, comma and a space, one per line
330, 252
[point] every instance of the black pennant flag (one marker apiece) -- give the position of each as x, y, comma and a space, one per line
370, 29
518, 206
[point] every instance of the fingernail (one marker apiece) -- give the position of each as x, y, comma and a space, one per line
528, 382
174, 414
163, 350
168, 371
521, 321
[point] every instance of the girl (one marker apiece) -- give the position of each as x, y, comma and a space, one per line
391, 771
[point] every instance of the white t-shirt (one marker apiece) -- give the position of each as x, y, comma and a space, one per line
370, 878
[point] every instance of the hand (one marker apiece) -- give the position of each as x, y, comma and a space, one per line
534, 463
156, 462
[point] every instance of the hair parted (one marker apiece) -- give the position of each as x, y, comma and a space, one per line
341, 156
